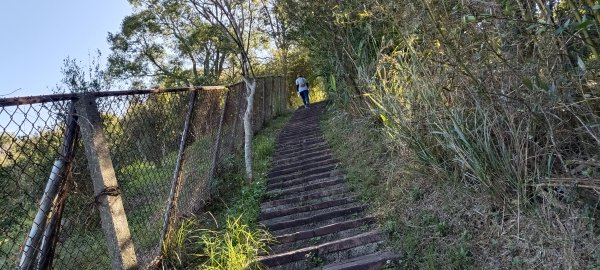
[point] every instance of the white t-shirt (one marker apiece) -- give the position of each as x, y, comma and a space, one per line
303, 83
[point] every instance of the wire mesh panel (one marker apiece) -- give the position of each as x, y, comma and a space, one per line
258, 117
233, 127
195, 189
145, 132
30, 141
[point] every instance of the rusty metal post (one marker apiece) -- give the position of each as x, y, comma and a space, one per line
106, 188
37, 238
217, 149
52, 232
177, 179
264, 103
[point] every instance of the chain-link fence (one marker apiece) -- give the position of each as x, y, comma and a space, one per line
95, 181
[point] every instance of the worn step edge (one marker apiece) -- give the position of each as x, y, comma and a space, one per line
306, 197
305, 179
304, 150
305, 173
326, 176
279, 193
279, 167
308, 133
286, 152
300, 142
311, 174
299, 158
287, 213
301, 125
324, 230
316, 213
287, 224
305, 134
301, 167
342, 189
372, 261
301, 149
342, 244
302, 243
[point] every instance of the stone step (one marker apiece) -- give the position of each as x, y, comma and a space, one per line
318, 224
309, 164
303, 179
329, 168
291, 151
314, 219
323, 234
373, 261
279, 193
301, 157
316, 212
308, 180
280, 212
309, 197
299, 143
293, 163
309, 132
321, 250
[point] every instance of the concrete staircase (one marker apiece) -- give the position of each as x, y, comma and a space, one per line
317, 221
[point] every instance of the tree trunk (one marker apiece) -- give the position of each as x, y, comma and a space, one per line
250, 84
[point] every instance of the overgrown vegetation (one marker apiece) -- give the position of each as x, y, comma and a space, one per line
439, 224
227, 235
495, 102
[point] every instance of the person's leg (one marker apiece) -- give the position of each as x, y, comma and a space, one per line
307, 98
303, 95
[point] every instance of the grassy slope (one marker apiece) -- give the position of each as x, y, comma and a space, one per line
236, 203
438, 224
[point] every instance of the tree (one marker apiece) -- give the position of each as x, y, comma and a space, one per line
276, 25
166, 41
237, 19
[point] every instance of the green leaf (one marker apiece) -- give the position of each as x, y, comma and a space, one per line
468, 19
528, 83
583, 25
596, 7
580, 63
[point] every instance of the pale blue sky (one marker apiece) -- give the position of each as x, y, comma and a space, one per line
36, 35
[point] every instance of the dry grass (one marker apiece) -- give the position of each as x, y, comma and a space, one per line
441, 224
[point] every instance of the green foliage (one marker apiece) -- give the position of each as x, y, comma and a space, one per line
237, 205
81, 78
181, 243
241, 198
170, 43
235, 247
449, 83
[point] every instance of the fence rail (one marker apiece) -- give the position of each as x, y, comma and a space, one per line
97, 180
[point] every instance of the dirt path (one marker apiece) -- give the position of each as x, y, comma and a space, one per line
317, 221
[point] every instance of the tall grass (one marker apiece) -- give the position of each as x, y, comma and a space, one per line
473, 108
226, 235
234, 248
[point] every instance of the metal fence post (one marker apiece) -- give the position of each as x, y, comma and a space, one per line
106, 189
217, 149
52, 232
264, 103
39, 236
272, 98
176, 182
279, 97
